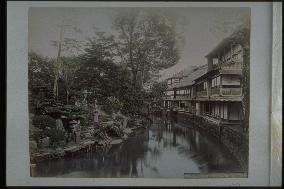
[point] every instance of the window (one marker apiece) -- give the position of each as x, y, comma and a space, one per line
204, 85
230, 80
215, 60
215, 82
218, 80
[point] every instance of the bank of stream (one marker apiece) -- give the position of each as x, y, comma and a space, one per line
164, 149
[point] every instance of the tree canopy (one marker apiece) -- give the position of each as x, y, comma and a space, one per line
146, 42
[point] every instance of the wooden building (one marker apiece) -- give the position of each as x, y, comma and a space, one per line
214, 91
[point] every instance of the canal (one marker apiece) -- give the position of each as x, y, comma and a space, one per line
166, 149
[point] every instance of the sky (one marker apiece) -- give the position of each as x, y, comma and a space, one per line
200, 28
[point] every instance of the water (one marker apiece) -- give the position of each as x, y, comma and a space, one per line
164, 150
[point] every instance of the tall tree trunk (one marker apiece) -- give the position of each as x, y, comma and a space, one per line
55, 85
142, 74
67, 96
134, 77
58, 64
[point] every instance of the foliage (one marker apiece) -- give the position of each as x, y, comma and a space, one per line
132, 100
41, 74
45, 126
158, 89
43, 121
35, 133
55, 135
69, 67
115, 103
147, 42
98, 72
106, 108
113, 65
64, 45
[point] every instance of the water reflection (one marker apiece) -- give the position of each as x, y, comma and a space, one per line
165, 149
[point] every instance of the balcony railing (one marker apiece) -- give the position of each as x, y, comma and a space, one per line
168, 97
231, 91
226, 91
229, 64
212, 92
202, 94
182, 96
215, 91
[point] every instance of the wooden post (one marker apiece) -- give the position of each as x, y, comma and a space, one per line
231, 53
32, 169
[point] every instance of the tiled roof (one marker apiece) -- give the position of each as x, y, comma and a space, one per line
195, 73
183, 73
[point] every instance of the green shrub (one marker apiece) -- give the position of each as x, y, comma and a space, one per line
43, 122
107, 109
115, 103
45, 126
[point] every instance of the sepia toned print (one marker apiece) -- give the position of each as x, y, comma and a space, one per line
139, 92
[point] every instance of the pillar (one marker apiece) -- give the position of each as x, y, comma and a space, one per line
198, 108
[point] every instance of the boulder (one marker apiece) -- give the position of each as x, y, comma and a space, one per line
59, 125
45, 142
33, 145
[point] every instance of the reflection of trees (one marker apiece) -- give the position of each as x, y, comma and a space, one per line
120, 160
134, 172
126, 159
155, 153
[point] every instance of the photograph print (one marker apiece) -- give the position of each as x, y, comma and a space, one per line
139, 92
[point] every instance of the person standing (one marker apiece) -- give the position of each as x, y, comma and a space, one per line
96, 114
96, 118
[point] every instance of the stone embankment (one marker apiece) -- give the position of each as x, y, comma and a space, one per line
233, 137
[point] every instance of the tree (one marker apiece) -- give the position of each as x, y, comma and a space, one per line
45, 126
114, 103
146, 42
158, 89
98, 71
69, 67
41, 75
64, 44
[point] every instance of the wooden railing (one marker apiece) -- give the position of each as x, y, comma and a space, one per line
212, 92
231, 91
229, 64
215, 91
202, 94
226, 91
168, 97
182, 96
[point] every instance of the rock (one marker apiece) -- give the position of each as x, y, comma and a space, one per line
88, 135
59, 125
45, 142
33, 145
58, 149
116, 141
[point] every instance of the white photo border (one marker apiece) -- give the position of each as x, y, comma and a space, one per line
18, 166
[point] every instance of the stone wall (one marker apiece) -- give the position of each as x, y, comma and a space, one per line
235, 140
